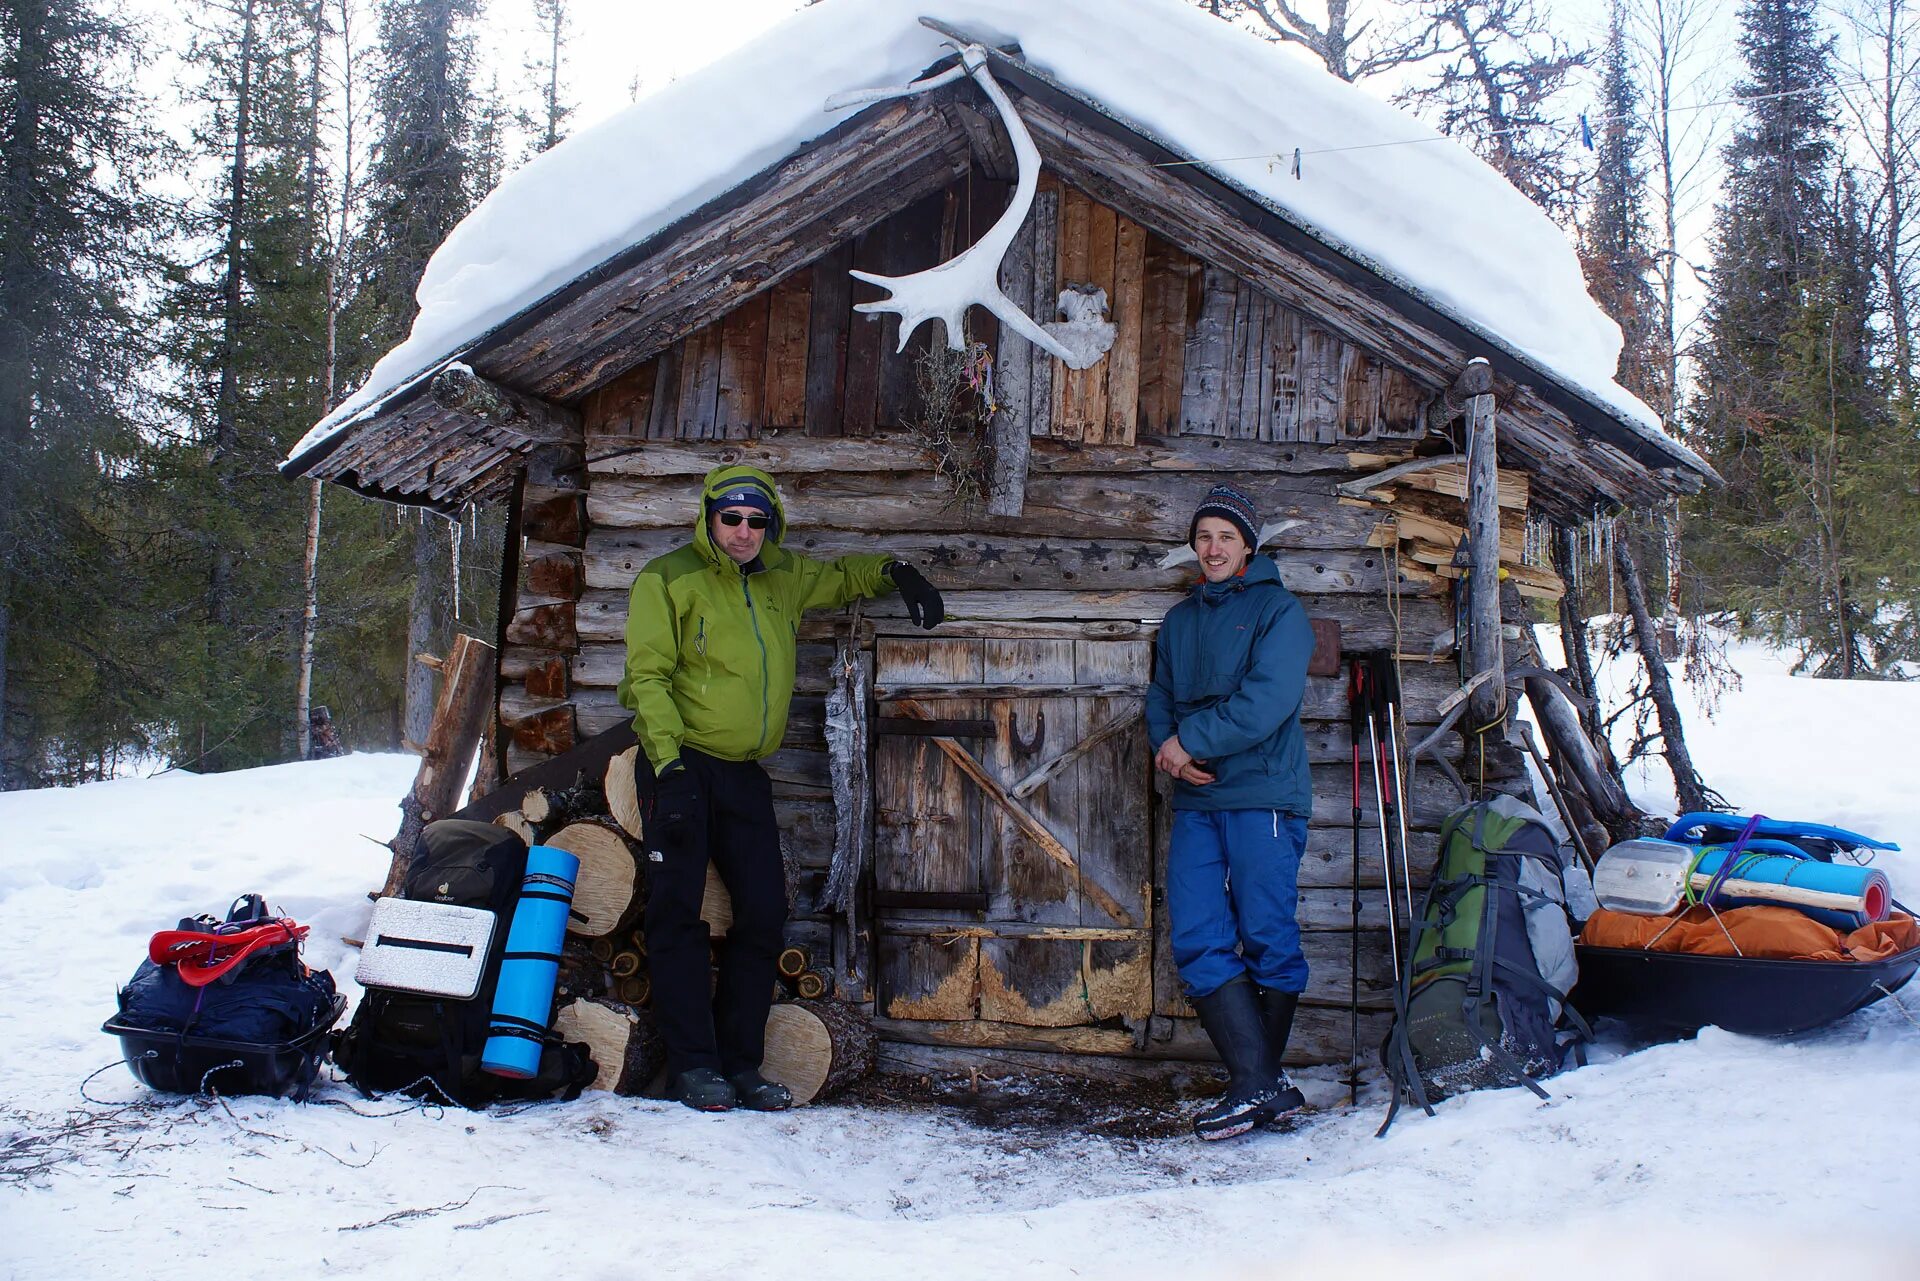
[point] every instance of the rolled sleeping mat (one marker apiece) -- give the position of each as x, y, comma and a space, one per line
530, 967
1845, 896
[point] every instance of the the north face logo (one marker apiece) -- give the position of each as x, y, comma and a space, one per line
446, 887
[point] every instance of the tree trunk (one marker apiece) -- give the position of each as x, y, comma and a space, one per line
423, 617
12, 773
1687, 786
309, 624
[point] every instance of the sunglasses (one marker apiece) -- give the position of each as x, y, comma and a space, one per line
730, 519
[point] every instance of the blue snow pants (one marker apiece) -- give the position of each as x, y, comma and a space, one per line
1233, 881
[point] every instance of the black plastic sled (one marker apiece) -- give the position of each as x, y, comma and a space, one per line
1666, 995
190, 1064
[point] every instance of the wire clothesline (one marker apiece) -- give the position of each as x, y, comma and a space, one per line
1583, 125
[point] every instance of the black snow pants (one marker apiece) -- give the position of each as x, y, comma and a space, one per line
722, 1027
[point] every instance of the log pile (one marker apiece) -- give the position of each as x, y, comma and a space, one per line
1425, 515
605, 991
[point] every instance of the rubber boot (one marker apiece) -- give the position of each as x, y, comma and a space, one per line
704, 1090
1276, 1016
1232, 1019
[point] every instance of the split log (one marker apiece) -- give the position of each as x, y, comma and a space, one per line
459, 714
601, 950
624, 965
514, 822
811, 985
816, 1048
607, 892
623, 792
626, 1045
792, 962
536, 807
637, 990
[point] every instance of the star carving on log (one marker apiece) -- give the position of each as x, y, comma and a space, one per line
1044, 554
1141, 556
1095, 552
992, 556
942, 555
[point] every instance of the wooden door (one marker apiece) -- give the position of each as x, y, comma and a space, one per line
1013, 853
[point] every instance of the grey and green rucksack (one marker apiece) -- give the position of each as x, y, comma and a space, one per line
1490, 961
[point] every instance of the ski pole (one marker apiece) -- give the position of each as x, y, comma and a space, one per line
1386, 684
1379, 804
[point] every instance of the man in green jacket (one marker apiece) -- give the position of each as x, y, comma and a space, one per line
711, 635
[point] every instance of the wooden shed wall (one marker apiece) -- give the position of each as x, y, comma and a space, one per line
1209, 377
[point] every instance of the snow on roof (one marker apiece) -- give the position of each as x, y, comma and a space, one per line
1430, 216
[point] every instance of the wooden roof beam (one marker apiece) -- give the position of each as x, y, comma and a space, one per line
459, 390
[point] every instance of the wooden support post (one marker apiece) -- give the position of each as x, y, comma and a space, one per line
1025, 373
460, 390
466, 691
1475, 380
1483, 585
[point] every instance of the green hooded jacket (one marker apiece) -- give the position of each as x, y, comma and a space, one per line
710, 644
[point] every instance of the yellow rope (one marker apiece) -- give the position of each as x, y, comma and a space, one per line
1480, 741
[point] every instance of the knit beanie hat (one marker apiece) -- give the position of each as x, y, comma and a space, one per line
1228, 504
744, 493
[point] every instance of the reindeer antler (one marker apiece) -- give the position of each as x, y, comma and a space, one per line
945, 292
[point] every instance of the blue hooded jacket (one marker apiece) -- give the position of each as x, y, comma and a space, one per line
1230, 666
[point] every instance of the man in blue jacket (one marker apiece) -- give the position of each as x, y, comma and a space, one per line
1230, 666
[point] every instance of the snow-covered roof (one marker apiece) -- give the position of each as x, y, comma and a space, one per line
1428, 215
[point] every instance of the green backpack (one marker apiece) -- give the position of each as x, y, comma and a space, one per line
1481, 1000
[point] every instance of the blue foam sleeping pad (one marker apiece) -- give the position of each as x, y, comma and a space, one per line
530, 967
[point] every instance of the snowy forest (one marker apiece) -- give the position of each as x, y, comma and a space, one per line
211, 225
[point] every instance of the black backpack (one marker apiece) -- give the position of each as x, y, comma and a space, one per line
429, 1046
1482, 989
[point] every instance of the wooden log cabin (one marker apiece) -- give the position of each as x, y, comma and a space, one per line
1012, 911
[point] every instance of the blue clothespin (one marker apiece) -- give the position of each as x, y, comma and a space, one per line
1296, 162
1586, 132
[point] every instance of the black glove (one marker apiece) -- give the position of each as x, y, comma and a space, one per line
924, 605
676, 801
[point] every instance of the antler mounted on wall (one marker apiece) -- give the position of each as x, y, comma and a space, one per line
945, 292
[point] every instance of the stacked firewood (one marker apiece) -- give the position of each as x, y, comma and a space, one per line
814, 1045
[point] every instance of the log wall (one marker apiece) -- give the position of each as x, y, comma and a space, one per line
1210, 376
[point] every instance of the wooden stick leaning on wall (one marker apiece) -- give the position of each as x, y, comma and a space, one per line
458, 721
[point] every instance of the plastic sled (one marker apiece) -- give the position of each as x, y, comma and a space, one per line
1668, 995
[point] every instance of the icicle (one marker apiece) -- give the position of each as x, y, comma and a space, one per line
453, 546
1610, 574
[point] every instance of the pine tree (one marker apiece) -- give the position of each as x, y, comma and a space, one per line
1794, 408
246, 329
546, 125
1615, 243
420, 188
73, 148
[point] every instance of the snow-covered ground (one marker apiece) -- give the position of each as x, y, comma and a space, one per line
1721, 1157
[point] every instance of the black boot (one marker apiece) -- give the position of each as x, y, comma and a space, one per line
1276, 1016
704, 1090
1231, 1017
